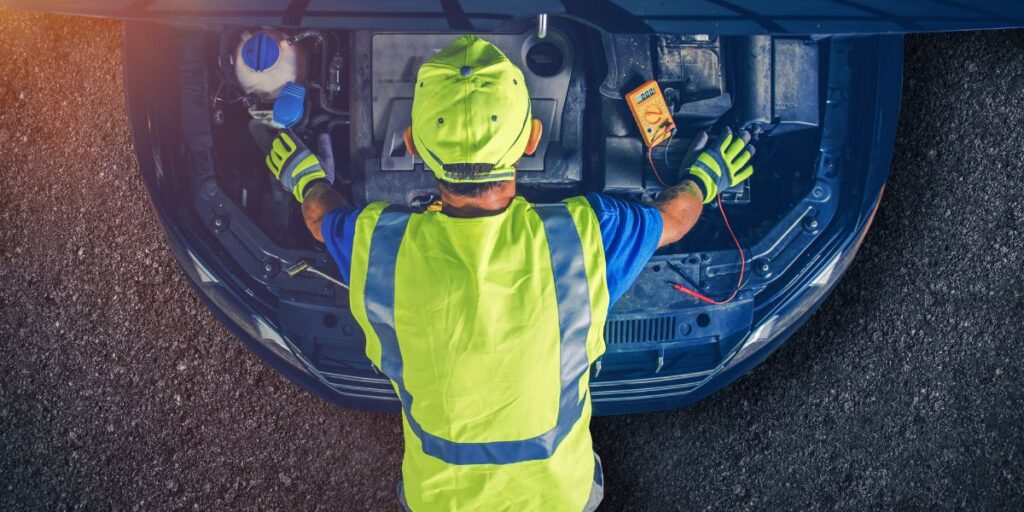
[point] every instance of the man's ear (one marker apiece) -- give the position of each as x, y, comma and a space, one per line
536, 130
407, 138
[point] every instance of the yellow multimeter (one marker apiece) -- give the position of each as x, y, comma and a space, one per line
651, 113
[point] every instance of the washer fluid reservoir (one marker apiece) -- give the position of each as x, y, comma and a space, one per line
265, 62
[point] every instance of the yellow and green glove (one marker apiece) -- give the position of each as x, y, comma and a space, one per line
294, 165
725, 163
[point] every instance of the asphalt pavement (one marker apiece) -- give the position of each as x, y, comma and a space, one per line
119, 390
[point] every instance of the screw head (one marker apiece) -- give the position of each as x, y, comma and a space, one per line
811, 224
219, 223
763, 267
270, 268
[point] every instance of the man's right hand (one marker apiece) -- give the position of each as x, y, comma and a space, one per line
293, 164
724, 164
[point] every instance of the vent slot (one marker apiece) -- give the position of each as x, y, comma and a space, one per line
640, 330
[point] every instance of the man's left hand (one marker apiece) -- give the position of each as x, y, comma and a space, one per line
725, 163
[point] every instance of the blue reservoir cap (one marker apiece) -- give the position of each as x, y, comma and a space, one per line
289, 105
260, 52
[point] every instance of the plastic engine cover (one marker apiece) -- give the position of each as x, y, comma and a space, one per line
383, 101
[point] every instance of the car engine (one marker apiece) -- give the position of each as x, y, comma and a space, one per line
348, 94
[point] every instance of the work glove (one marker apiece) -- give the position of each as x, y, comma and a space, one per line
724, 164
294, 165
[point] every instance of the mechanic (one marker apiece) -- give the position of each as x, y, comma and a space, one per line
486, 313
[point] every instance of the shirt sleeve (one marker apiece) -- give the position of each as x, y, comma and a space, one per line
338, 230
630, 233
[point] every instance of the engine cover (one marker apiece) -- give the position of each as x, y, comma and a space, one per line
382, 102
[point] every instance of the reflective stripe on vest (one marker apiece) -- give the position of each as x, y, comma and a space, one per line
573, 300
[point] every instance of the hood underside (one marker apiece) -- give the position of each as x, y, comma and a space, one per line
732, 17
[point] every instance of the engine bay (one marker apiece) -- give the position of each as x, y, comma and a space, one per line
348, 95
820, 108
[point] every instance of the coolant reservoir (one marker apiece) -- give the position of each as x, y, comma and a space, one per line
265, 62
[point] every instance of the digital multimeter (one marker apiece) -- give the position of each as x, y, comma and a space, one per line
651, 113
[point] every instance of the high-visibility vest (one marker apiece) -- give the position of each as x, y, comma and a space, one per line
487, 328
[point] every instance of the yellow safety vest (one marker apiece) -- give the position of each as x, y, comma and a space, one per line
487, 328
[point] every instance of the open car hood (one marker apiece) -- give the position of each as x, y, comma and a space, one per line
727, 17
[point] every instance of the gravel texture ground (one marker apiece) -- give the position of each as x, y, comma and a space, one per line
118, 390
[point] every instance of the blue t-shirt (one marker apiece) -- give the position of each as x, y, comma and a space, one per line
629, 232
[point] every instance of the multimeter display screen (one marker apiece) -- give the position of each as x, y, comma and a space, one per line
644, 95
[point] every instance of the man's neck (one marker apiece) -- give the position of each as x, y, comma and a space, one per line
493, 202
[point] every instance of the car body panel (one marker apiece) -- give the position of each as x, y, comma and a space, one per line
647, 16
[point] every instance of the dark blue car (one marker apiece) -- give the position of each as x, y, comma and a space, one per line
817, 82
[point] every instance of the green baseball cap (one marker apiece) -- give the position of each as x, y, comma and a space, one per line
471, 106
